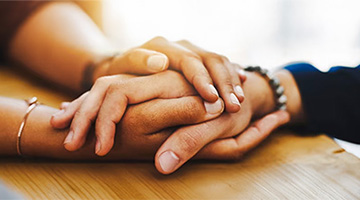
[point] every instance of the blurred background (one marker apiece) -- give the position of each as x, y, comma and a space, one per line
269, 33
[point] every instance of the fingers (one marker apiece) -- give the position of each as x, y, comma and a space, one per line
115, 102
158, 114
139, 61
64, 105
240, 72
107, 101
184, 143
235, 148
86, 114
224, 81
62, 118
109, 115
188, 63
236, 80
223, 74
187, 141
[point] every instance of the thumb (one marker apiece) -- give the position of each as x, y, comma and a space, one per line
139, 61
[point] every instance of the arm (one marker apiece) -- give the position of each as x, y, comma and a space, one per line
330, 99
321, 101
172, 105
142, 131
57, 41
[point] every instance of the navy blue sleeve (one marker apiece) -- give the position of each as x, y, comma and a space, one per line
331, 100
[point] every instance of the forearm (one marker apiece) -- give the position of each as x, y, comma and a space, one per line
57, 42
38, 138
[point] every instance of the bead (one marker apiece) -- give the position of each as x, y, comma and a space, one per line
264, 72
282, 107
257, 68
274, 82
282, 99
279, 91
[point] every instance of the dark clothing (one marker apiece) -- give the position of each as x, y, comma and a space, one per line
331, 100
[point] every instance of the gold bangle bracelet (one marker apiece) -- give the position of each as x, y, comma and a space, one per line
32, 103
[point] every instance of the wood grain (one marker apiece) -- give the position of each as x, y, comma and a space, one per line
285, 166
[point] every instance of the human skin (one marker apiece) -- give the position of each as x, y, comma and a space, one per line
30, 51
237, 133
186, 141
136, 132
58, 41
150, 125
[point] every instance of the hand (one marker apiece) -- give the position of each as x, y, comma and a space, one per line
200, 68
218, 138
107, 100
138, 61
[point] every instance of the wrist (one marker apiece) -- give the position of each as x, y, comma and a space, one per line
11, 113
291, 90
95, 69
259, 94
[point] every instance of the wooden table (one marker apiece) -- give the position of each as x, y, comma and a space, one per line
285, 166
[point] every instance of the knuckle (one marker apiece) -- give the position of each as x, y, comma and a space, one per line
192, 111
172, 75
140, 119
85, 117
224, 58
212, 55
184, 42
114, 88
135, 51
185, 62
190, 141
102, 81
189, 56
216, 58
225, 83
133, 55
255, 130
156, 40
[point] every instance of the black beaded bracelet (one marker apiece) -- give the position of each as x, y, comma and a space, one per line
274, 82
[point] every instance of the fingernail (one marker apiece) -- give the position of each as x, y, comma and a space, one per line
97, 146
64, 105
69, 137
60, 112
239, 91
234, 99
157, 62
214, 108
168, 161
241, 72
213, 90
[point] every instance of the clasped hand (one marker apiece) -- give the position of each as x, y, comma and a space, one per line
149, 107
